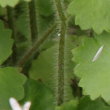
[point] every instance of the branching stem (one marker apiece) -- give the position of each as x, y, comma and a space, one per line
35, 47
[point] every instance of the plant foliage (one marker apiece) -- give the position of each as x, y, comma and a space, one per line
55, 54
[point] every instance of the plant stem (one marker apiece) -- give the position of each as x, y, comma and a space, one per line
26, 10
33, 20
35, 47
11, 23
62, 28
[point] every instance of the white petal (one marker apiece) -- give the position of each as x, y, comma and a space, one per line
98, 53
14, 104
26, 106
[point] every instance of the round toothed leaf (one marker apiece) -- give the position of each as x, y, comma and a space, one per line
11, 85
93, 66
93, 14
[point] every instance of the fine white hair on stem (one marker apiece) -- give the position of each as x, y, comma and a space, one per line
14, 104
26, 106
98, 53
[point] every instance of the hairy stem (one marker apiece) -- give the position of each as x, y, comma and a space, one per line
62, 28
35, 47
33, 20
11, 23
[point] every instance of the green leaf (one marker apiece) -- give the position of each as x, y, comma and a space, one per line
94, 74
22, 21
6, 43
2, 11
71, 105
93, 14
86, 104
44, 23
43, 67
45, 8
11, 85
40, 96
12, 3
45, 15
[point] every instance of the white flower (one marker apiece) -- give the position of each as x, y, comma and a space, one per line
16, 106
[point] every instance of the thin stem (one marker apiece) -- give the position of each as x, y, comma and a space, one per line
11, 23
33, 20
35, 47
26, 11
62, 21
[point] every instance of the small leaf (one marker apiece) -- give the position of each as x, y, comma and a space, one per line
39, 95
43, 67
6, 43
11, 85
